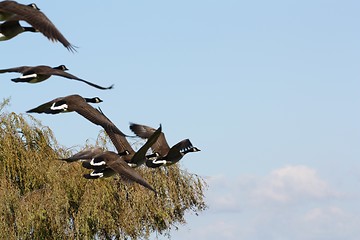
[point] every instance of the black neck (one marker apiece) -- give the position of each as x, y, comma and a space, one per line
91, 100
29, 29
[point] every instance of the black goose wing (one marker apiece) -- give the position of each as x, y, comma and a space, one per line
160, 146
142, 130
119, 140
139, 157
94, 116
21, 69
61, 73
38, 20
123, 169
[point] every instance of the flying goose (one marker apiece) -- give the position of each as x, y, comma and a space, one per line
163, 154
13, 11
106, 164
35, 74
80, 105
113, 162
10, 29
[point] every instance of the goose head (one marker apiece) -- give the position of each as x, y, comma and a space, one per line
93, 100
190, 149
33, 5
61, 67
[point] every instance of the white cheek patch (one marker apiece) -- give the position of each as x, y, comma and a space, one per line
92, 163
63, 107
34, 75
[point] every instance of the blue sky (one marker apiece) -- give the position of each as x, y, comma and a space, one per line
268, 90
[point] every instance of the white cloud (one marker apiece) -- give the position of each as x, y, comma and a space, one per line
292, 183
292, 202
288, 184
330, 222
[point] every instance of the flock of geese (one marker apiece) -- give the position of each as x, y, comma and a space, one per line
102, 163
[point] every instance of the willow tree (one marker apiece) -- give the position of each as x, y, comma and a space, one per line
43, 198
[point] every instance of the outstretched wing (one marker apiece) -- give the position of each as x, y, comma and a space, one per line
123, 169
94, 116
86, 154
139, 157
61, 73
160, 146
21, 69
118, 139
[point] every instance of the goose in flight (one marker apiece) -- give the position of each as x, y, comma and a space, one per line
163, 155
106, 164
81, 106
36, 74
14, 11
112, 163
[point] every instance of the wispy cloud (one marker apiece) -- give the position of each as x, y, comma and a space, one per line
292, 183
292, 202
284, 185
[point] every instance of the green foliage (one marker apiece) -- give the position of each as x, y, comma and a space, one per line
44, 198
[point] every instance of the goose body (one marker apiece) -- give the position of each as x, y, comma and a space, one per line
13, 11
68, 104
108, 163
163, 154
79, 105
36, 74
11, 29
86, 156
